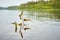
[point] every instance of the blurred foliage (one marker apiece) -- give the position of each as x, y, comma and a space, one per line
53, 4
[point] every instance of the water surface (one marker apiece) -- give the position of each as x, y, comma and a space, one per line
44, 25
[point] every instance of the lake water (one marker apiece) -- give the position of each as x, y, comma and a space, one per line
44, 25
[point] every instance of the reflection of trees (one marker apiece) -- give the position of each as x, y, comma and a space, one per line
56, 14
53, 14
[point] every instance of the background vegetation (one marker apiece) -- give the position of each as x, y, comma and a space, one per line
52, 4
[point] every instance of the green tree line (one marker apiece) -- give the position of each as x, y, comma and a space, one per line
52, 4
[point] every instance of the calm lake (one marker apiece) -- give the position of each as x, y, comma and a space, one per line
44, 25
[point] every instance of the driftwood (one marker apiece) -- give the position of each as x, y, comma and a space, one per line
15, 26
27, 19
21, 33
21, 24
21, 15
26, 28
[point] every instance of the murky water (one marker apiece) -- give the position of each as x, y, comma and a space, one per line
44, 26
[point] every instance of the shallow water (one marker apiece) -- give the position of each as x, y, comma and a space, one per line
42, 28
